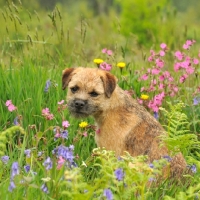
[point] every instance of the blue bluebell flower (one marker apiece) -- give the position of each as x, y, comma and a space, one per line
12, 186
27, 152
14, 170
108, 194
16, 121
5, 159
27, 168
119, 174
196, 101
155, 114
151, 165
168, 158
47, 86
44, 188
48, 163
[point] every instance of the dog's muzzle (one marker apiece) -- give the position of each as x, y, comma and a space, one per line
79, 104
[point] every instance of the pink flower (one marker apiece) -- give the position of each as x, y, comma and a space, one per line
185, 64
152, 52
109, 52
8, 102
155, 71
161, 86
163, 46
150, 58
144, 77
140, 101
162, 78
50, 116
65, 124
177, 66
190, 70
183, 78
105, 66
179, 55
45, 111
162, 53
57, 135
85, 134
104, 50
60, 162
175, 88
185, 46
189, 43
11, 107
195, 61
159, 63
61, 102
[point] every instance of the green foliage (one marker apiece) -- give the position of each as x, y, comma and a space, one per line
178, 136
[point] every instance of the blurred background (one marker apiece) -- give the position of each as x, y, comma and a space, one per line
80, 29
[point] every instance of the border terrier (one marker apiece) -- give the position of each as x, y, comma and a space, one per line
123, 124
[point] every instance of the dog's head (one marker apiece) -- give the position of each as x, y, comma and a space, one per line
88, 89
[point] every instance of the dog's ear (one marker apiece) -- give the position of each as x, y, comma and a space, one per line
66, 77
109, 83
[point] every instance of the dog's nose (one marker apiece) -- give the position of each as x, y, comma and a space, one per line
79, 103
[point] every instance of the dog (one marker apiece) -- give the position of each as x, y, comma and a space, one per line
123, 124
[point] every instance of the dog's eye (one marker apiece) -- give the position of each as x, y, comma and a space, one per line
93, 94
74, 89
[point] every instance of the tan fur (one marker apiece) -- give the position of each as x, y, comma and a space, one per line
124, 124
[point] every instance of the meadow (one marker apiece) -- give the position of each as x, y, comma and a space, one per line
47, 154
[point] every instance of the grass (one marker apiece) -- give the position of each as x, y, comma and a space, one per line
36, 47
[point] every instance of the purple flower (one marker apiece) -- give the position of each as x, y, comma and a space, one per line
16, 121
151, 165
66, 153
155, 114
108, 194
39, 153
27, 152
12, 186
47, 85
119, 174
5, 159
168, 158
193, 168
44, 188
64, 134
196, 101
27, 168
48, 163
14, 170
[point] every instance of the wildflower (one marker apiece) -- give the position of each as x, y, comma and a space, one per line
105, 66
27, 168
85, 134
183, 78
193, 168
27, 152
83, 124
15, 122
98, 61
66, 153
163, 46
119, 174
155, 114
151, 165
60, 162
150, 58
159, 63
10, 105
44, 188
168, 158
61, 102
12, 186
8, 102
144, 77
121, 64
155, 71
144, 97
5, 159
109, 52
195, 61
196, 101
14, 170
104, 50
47, 85
179, 55
108, 194
177, 66
64, 134
65, 124
48, 163
161, 53
45, 111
